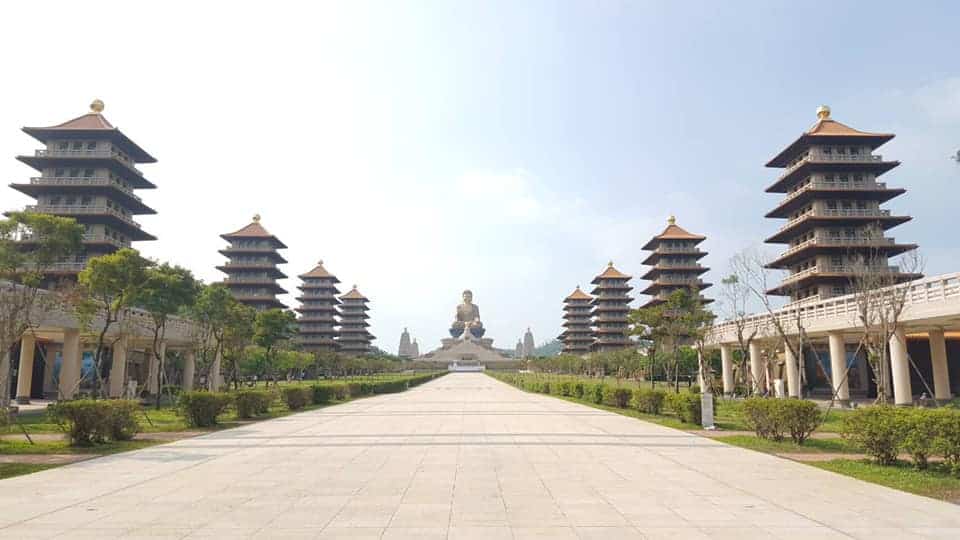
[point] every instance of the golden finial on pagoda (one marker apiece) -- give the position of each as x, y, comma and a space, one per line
610, 263
823, 112
354, 286
672, 220
320, 263
256, 218
96, 107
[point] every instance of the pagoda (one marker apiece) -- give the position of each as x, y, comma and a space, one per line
674, 261
611, 304
835, 228
88, 172
577, 336
317, 324
251, 270
354, 338
406, 348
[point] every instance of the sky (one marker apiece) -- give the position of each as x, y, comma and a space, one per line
512, 148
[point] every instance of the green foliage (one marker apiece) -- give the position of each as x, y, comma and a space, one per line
648, 400
920, 430
617, 396
89, 422
323, 393
878, 430
296, 397
201, 409
52, 238
577, 390
686, 406
251, 403
565, 388
773, 419
594, 392
947, 442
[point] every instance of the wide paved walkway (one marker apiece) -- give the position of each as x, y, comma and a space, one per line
462, 457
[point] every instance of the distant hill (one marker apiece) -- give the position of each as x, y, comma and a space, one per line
550, 348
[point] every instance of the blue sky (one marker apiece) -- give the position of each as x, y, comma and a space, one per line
513, 148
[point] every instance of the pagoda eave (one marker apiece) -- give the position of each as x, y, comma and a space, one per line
880, 195
783, 236
781, 184
136, 153
128, 172
881, 249
130, 202
782, 159
844, 277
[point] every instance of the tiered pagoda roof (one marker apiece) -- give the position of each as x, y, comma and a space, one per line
88, 172
355, 339
835, 226
251, 268
318, 310
577, 336
611, 304
674, 262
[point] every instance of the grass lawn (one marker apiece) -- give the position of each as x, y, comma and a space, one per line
936, 482
8, 470
810, 446
63, 447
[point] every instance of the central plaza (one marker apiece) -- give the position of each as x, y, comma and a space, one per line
464, 456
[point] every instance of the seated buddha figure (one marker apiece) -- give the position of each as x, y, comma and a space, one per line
467, 318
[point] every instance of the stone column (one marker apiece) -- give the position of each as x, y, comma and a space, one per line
938, 358
757, 374
153, 386
793, 372
49, 360
118, 368
189, 366
726, 363
214, 380
900, 366
70, 365
838, 367
28, 344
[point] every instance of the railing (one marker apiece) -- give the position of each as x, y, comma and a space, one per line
248, 279
856, 241
836, 212
79, 209
241, 264
89, 153
844, 309
686, 250
841, 269
239, 249
821, 157
93, 181
682, 266
102, 238
838, 186
678, 280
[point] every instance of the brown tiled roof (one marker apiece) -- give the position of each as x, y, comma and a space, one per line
253, 230
672, 232
354, 294
610, 273
320, 272
93, 121
823, 129
578, 295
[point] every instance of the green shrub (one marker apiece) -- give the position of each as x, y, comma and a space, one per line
617, 396
122, 419
296, 397
323, 393
594, 392
648, 400
694, 388
389, 387
920, 431
544, 387
88, 421
253, 402
800, 417
764, 417
878, 430
355, 389
341, 391
201, 409
947, 441
565, 388
577, 390
686, 406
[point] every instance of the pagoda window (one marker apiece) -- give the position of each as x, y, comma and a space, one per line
827, 150
59, 173
77, 145
86, 200
88, 173
841, 150
854, 151
862, 205
92, 145
74, 173
55, 201
832, 205
63, 145
71, 201
847, 205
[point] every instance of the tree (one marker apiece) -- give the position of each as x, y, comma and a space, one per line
237, 336
214, 312
736, 298
271, 329
166, 290
880, 302
52, 239
108, 285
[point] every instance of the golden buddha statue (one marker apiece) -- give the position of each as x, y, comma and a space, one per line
467, 318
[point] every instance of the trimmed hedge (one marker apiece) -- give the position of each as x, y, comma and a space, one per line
201, 409
686, 406
297, 397
251, 403
648, 400
773, 419
617, 396
883, 431
89, 421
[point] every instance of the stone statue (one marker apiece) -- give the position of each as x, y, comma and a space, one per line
467, 318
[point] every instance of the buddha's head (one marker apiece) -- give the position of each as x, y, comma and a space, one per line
467, 297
